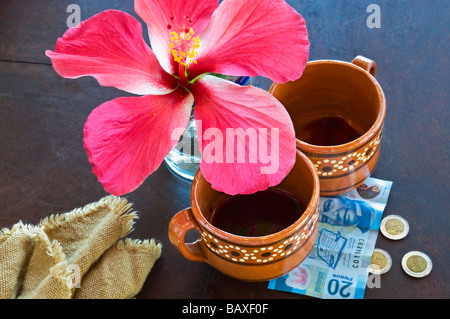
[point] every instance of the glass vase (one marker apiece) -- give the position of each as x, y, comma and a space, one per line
184, 159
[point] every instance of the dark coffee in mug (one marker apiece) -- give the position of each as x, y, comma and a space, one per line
259, 214
328, 130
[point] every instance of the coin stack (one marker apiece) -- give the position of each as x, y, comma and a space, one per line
415, 263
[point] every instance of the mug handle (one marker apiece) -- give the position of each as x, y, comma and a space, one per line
180, 224
365, 63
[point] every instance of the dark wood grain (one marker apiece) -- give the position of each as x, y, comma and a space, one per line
44, 168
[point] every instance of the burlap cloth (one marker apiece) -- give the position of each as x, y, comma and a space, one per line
82, 254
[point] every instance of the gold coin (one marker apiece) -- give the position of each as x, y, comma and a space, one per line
381, 262
394, 227
417, 264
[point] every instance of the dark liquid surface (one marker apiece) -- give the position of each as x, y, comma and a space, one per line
258, 214
327, 131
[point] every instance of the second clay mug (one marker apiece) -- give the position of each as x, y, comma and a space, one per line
338, 110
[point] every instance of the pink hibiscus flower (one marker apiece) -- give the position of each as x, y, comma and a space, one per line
127, 138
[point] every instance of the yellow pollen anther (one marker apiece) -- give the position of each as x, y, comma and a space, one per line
184, 46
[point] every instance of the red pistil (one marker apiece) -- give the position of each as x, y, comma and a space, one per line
182, 74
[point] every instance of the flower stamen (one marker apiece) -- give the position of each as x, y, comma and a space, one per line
184, 46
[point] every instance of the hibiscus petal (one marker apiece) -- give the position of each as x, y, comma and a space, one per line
224, 109
110, 47
127, 138
165, 16
254, 37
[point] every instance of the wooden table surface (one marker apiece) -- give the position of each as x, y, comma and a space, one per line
44, 168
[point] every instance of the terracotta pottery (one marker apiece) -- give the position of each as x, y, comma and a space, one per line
250, 258
338, 110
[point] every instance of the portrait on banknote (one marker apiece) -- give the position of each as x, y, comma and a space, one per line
346, 212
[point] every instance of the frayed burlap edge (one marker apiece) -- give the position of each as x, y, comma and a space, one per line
123, 210
128, 243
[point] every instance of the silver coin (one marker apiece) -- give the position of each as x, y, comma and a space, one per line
417, 264
394, 227
381, 262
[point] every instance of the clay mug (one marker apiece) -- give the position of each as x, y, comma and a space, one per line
250, 258
338, 110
